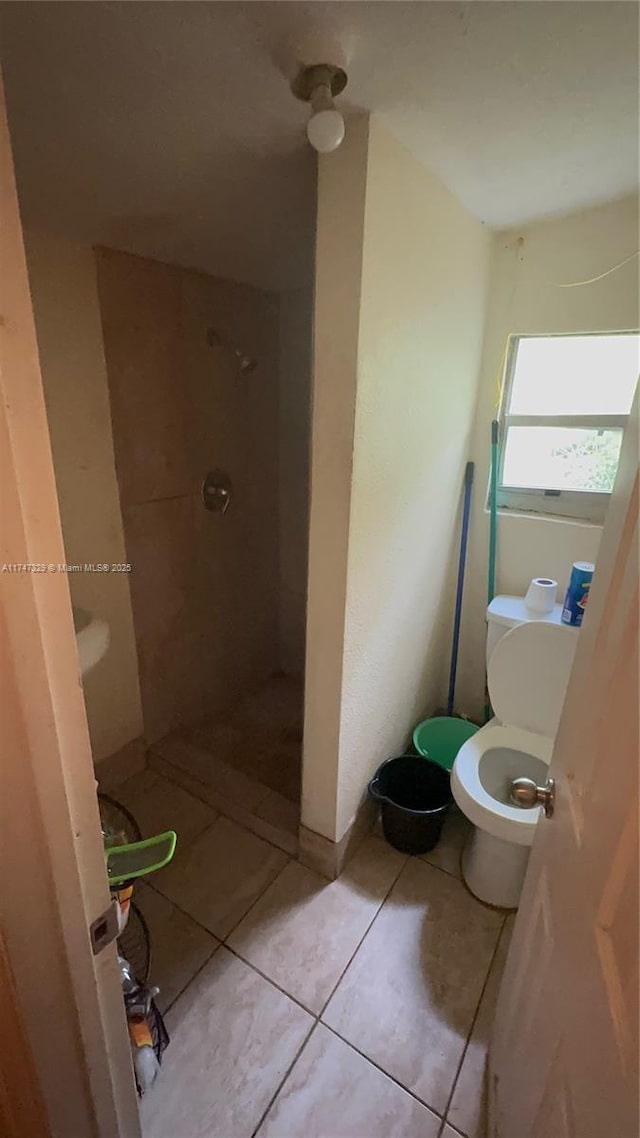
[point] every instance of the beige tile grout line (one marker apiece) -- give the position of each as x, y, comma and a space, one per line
233, 770
473, 1023
232, 952
317, 1015
435, 1112
192, 978
217, 809
273, 983
267, 790
272, 1100
475, 1015
362, 939
447, 873
223, 941
382, 1071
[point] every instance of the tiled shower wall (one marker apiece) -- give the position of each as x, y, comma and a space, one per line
204, 585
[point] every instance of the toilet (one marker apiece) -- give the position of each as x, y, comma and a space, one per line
529, 660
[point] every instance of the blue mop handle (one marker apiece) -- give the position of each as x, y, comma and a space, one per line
468, 483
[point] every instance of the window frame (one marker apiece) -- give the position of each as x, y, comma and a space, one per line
573, 505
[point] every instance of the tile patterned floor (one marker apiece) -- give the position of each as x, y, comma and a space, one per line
300, 1008
408, 999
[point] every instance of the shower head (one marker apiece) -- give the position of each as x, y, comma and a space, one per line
244, 363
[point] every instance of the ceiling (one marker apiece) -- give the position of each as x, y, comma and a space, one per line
168, 128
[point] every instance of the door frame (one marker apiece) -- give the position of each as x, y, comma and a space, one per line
54, 881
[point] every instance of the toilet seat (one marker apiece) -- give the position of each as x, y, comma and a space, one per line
527, 676
511, 823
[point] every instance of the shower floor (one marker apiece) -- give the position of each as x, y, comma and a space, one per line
263, 736
247, 763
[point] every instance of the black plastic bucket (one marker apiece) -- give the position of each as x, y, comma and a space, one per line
414, 795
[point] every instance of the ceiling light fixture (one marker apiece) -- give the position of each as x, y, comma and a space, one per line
318, 85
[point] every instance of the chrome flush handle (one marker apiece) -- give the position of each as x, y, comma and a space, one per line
524, 792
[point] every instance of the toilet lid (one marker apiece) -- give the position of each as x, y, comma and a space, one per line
528, 675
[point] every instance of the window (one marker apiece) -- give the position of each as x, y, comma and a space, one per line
565, 404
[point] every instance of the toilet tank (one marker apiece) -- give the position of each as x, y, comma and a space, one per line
506, 612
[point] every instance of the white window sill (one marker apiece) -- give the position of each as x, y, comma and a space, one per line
540, 516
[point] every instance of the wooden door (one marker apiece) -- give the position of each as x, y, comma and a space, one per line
66, 1002
21, 1107
564, 1057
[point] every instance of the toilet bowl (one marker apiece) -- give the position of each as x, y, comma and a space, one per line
528, 669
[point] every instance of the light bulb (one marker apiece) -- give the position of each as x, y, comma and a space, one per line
318, 84
325, 130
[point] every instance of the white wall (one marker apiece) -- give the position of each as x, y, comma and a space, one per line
524, 298
338, 277
62, 278
404, 335
294, 410
424, 275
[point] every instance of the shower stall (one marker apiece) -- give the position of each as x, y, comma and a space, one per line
209, 390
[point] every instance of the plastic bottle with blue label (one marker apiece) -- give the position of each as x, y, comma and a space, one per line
578, 593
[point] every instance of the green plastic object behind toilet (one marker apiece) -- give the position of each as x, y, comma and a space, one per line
441, 738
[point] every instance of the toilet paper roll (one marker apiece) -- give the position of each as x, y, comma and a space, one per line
541, 595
